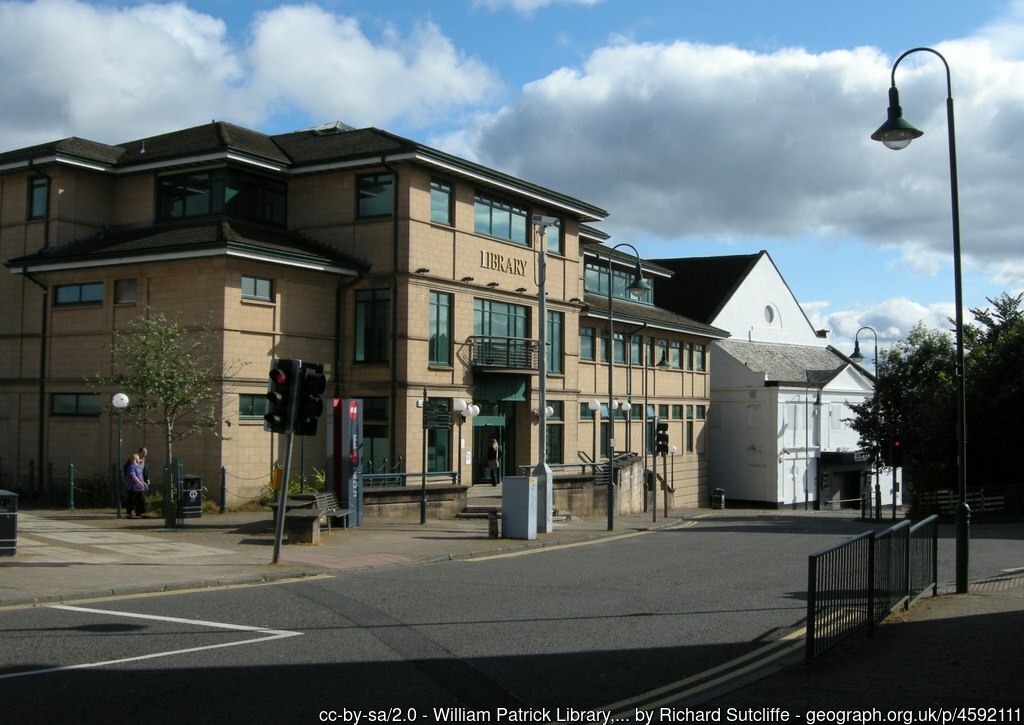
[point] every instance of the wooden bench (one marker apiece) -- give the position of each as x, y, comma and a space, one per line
303, 515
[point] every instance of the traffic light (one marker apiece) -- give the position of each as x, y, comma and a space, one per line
661, 439
281, 390
896, 456
312, 383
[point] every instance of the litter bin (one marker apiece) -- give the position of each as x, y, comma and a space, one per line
718, 498
8, 523
190, 504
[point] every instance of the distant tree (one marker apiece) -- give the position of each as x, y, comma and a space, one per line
995, 391
915, 397
171, 375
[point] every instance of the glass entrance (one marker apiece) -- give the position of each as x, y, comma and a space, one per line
487, 429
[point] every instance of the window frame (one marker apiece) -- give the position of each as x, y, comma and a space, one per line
369, 210
38, 202
78, 398
556, 342
437, 188
255, 296
80, 302
250, 410
371, 343
435, 355
517, 230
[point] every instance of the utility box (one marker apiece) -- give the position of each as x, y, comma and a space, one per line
8, 523
190, 505
519, 507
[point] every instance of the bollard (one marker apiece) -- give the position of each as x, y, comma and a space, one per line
492, 524
71, 487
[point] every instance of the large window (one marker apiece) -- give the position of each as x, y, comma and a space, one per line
440, 329
556, 323
501, 219
371, 338
439, 443
38, 195
90, 293
500, 319
375, 195
232, 193
440, 202
75, 404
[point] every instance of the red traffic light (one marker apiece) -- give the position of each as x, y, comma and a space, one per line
278, 377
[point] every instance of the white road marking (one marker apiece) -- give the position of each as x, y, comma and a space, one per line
268, 635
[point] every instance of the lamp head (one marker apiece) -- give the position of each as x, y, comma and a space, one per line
639, 286
857, 357
119, 401
897, 132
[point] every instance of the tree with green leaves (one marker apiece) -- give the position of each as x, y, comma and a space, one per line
171, 375
915, 397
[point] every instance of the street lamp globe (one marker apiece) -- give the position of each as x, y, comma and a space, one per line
119, 401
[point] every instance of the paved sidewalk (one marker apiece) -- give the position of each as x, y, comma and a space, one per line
66, 555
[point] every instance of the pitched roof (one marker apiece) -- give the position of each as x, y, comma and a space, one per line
701, 286
635, 312
298, 152
787, 364
189, 240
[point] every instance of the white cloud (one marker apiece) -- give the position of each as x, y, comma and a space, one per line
106, 73
891, 321
337, 72
528, 7
113, 74
683, 141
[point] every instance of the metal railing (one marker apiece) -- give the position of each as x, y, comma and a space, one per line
856, 584
383, 480
509, 353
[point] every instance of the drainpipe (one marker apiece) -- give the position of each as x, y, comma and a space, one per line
41, 443
41, 434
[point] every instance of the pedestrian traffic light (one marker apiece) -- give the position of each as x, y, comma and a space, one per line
661, 439
896, 456
281, 390
312, 383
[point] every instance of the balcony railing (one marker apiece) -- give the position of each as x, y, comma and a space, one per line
503, 353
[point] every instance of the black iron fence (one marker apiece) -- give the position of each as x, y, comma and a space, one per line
856, 584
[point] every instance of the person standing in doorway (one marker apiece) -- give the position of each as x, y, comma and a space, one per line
493, 458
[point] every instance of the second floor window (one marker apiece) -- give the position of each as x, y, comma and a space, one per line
595, 280
440, 202
232, 193
375, 195
371, 335
38, 195
251, 406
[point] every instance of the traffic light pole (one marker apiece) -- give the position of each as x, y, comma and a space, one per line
282, 496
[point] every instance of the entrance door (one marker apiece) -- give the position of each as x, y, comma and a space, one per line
486, 429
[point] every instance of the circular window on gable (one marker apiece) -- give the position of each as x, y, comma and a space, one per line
769, 314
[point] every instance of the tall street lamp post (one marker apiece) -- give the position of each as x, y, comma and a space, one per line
896, 133
636, 288
545, 497
120, 402
858, 357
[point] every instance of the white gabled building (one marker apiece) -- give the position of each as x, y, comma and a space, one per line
780, 394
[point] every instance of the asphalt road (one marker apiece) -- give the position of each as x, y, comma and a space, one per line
581, 628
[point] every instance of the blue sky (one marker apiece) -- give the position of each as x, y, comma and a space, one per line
703, 126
